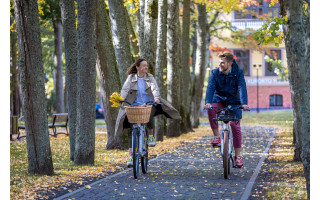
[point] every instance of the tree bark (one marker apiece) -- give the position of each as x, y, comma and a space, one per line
15, 74
72, 71
108, 73
120, 37
297, 42
140, 25
161, 63
185, 110
85, 140
148, 51
173, 65
132, 36
199, 66
32, 83
58, 67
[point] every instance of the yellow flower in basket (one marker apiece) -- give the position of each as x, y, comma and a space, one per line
115, 98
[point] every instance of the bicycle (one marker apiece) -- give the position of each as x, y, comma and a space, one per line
139, 135
225, 115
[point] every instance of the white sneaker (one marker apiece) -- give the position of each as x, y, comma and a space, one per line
151, 141
130, 162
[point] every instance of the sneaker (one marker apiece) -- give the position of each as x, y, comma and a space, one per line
239, 162
151, 141
130, 162
216, 142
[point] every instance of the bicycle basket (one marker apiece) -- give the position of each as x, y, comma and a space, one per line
226, 116
138, 114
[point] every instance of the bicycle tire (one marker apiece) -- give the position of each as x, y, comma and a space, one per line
135, 152
226, 163
144, 159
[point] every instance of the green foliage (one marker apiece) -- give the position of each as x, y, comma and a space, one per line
279, 68
49, 10
270, 31
153, 10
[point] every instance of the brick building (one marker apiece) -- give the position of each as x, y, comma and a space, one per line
272, 92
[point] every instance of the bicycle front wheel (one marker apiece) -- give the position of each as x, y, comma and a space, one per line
144, 158
226, 163
135, 152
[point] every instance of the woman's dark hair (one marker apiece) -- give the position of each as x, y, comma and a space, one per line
133, 68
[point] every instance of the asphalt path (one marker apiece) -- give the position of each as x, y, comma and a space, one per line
193, 171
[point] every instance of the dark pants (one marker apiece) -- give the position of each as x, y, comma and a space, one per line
150, 124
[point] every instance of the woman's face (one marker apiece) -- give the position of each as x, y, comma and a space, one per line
143, 68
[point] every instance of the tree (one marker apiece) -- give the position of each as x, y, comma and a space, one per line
160, 63
185, 110
148, 51
108, 73
50, 10
297, 42
14, 68
132, 36
120, 37
85, 140
173, 65
295, 19
199, 72
72, 72
32, 82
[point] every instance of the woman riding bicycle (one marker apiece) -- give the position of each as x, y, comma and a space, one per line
227, 86
140, 88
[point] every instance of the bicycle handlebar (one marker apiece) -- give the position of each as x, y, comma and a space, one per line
228, 108
148, 103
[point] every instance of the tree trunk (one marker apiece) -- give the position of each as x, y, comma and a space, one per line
14, 68
194, 53
72, 71
199, 66
85, 140
32, 82
185, 70
161, 63
120, 37
58, 67
173, 65
132, 36
297, 41
108, 74
140, 25
148, 52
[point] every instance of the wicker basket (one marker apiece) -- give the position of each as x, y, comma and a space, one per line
138, 114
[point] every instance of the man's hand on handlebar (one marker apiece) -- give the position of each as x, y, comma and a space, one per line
245, 107
207, 106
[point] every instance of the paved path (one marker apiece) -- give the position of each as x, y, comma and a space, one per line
191, 172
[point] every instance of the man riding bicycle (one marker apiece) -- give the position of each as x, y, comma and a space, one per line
226, 87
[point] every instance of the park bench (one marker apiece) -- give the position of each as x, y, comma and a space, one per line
58, 120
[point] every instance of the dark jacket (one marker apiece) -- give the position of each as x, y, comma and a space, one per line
228, 89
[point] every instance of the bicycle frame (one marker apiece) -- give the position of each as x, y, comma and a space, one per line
226, 127
142, 138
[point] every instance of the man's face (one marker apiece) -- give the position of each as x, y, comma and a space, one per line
224, 66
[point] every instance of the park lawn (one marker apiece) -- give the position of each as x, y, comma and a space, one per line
24, 185
280, 177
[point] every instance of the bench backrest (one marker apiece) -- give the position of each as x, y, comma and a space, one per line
60, 117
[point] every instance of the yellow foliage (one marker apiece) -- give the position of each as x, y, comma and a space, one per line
115, 98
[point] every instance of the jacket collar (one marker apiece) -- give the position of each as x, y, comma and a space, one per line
135, 77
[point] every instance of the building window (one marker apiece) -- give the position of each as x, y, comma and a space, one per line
264, 8
242, 60
273, 54
275, 100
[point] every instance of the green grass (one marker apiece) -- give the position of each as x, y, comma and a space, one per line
100, 122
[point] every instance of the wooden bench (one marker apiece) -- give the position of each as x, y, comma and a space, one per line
58, 120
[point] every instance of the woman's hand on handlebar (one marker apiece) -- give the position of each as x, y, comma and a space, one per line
157, 100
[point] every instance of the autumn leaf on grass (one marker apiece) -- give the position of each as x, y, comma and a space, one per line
115, 98
88, 186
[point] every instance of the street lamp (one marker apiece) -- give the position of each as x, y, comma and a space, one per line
257, 68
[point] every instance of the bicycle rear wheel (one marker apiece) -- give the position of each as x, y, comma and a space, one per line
144, 159
226, 161
135, 152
